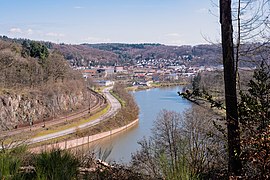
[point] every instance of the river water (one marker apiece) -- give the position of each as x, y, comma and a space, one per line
150, 102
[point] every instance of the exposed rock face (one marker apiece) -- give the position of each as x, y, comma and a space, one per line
18, 109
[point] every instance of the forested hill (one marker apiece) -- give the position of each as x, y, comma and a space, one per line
127, 54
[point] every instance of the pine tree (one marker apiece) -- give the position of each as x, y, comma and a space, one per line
254, 108
254, 113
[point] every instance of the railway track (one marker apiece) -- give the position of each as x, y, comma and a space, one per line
97, 103
115, 106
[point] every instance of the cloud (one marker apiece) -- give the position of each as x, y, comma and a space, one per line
29, 32
92, 39
176, 42
52, 34
15, 30
173, 39
21, 31
173, 35
97, 39
78, 7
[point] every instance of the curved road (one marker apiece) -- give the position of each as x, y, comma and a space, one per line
115, 106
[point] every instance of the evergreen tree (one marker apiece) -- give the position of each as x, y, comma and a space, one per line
196, 85
254, 113
254, 108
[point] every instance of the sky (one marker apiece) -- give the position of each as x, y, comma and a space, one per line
170, 22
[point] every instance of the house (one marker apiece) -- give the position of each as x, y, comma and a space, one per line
142, 83
109, 70
105, 83
89, 73
118, 69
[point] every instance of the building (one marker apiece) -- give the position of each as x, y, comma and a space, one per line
118, 69
105, 83
87, 73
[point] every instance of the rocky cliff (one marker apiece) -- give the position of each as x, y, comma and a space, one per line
18, 109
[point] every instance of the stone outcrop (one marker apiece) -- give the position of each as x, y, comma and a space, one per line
19, 109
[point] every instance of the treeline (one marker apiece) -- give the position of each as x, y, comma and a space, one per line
128, 54
48, 44
119, 46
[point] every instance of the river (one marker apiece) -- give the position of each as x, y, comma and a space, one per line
150, 102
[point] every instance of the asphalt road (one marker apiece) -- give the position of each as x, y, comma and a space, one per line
115, 106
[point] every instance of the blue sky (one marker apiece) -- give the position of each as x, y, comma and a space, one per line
172, 22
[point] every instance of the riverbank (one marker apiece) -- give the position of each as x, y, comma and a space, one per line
156, 85
113, 122
83, 140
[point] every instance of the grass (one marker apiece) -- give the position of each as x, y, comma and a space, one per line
161, 84
122, 102
131, 88
138, 88
100, 89
14, 140
75, 124
56, 164
155, 85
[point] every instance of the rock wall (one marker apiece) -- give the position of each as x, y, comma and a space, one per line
18, 109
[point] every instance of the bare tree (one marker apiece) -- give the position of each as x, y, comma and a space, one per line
163, 155
58, 67
252, 28
205, 144
182, 147
235, 165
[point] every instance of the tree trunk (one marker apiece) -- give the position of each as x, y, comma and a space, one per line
234, 166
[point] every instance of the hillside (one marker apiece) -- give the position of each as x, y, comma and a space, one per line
130, 54
83, 54
126, 54
36, 84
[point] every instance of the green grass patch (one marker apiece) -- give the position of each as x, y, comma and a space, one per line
122, 102
100, 89
131, 88
155, 84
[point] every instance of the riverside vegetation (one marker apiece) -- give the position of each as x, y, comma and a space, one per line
253, 112
194, 145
